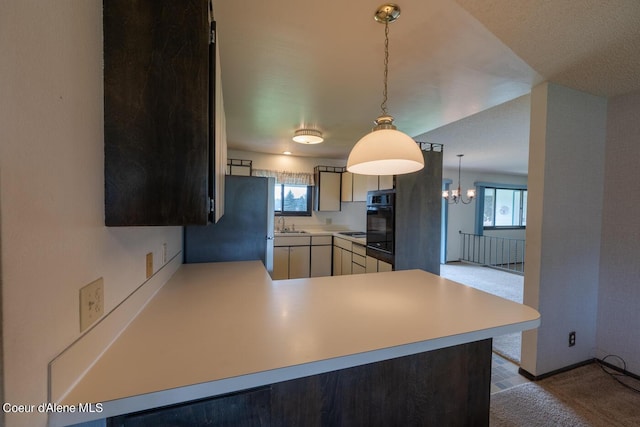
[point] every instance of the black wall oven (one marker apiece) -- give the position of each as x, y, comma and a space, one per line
381, 222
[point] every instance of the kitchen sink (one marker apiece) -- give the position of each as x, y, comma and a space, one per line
291, 232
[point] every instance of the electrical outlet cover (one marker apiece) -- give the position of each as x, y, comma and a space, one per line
91, 303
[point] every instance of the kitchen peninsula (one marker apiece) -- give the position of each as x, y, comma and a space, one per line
342, 350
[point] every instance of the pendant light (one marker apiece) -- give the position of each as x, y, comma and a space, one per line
385, 150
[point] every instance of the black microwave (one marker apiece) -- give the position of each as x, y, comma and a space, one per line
381, 225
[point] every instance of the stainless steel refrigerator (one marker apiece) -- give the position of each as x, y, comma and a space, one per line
244, 233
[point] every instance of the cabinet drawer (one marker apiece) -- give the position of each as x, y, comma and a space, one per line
357, 269
292, 241
342, 243
321, 240
359, 259
360, 250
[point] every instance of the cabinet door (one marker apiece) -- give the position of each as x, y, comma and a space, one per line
345, 260
217, 132
372, 264
384, 266
337, 260
280, 263
320, 261
385, 182
347, 187
156, 112
328, 193
360, 183
299, 261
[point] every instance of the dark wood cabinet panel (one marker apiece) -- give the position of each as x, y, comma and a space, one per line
419, 216
444, 387
156, 112
246, 409
450, 386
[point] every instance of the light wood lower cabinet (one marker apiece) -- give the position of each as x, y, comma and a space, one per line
291, 257
371, 265
299, 261
384, 266
374, 265
358, 259
301, 256
320, 261
291, 262
341, 256
280, 263
337, 260
345, 260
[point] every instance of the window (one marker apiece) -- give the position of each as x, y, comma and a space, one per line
504, 208
292, 200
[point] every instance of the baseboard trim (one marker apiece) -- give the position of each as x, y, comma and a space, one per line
618, 369
532, 377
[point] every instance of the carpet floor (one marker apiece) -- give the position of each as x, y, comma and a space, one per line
506, 285
584, 396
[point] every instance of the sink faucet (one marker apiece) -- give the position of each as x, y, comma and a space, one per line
282, 224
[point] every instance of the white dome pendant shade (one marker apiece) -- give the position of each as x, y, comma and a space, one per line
385, 151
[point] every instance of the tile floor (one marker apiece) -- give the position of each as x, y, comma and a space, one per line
504, 374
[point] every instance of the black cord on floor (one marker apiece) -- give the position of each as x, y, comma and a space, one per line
610, 369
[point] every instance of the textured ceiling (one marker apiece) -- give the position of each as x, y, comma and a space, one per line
494, 140
292, 63
589, 45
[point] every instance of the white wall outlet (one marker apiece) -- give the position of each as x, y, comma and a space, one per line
91, 303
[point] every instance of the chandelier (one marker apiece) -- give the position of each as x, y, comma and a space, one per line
455, 196
385, 150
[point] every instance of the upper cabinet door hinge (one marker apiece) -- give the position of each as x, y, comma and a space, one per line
212, 205
212, 34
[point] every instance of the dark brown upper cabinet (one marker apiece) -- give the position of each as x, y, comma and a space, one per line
163, 135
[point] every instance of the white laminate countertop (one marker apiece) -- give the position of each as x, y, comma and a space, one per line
216, 328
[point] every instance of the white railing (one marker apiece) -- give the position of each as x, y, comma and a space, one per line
491, 251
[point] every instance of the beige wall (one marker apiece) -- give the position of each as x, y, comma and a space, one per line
565, 192
51, 169
619, 292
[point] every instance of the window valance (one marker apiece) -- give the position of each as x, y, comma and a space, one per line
286, 177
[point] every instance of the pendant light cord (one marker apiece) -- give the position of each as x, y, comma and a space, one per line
383, 105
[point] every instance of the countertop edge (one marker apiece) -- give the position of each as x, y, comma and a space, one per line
259, 379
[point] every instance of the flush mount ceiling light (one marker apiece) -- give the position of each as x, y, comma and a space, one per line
308, 136
455, 196
385, 151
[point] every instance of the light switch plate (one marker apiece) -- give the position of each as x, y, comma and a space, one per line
91, 303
